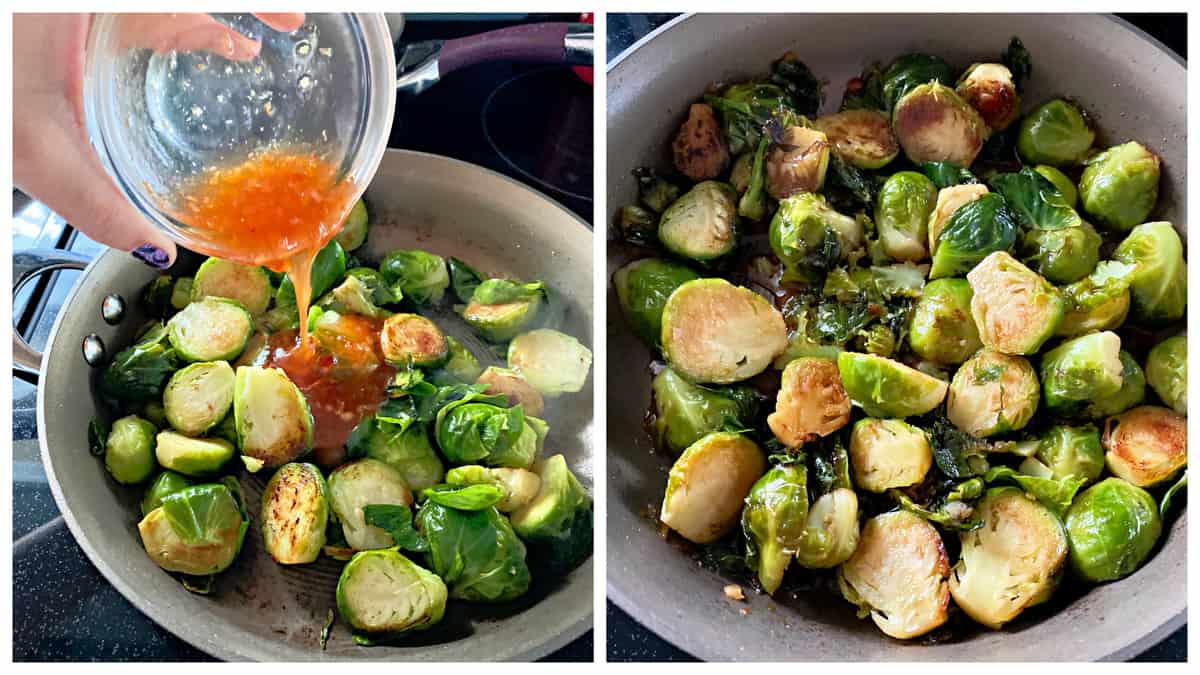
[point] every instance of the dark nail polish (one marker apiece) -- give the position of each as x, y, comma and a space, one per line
152, 256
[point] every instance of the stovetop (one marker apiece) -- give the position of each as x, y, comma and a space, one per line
531, 123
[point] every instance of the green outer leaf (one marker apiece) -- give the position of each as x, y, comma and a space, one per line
976, 229
467, 498
470, 431
1055, 495
1169, 496
947, 174
198, 512
397, 521
500, 291
913, 70
1035, 201
463, 279
476, 553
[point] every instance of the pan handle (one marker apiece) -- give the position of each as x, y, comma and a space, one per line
28, 265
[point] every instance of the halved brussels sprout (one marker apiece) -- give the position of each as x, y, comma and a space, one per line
773, 521
212, 329
992, 393
797, 163
1131, 393
500, 308
274, 423
198, 530
199, 396
702, 224
295, 511
1112, 528
898, 575
554, 363
166, 483
990, 90
1146, 445
354, 228
643, 287
352, 296
910, 71
411, 339
247, 284
684, 412
420, 276
975, 230
1010, 563
1071, 451
405, 448
933, 124
942, 329
716, 332
862, 138
460, 368
831, 530
886, 388
181, 292
1015, 309
902, 215
1119, 187
359, 484
476, 553
383, 592
1061, 182
1159, 283
699, 148
888, 453
950, 199
557, 522
1099, 301
707, 485
1055, 133
129, 450
1166, 371
1081, 370
512, 385
807, 230
192, 456
520, 486
811, 402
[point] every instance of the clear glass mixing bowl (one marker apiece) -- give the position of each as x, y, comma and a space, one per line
157, 119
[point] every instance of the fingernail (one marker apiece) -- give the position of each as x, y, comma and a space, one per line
152, 256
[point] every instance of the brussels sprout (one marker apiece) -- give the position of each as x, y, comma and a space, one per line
1061, 182
411, 339
460, 368
1131, 393
1159, 283
198, 530
773, 521
886, 388
554, 363
753, 203
933, 124
947, 174
129, 450
902, 215
808, 234
375, 284
383, 592
353, 296
476, 553
992, 393
654, 191
500, 308
420, 276
361, 483
699, 148
556, 524
519, 486
1015, 309
140, 372
1055, 133
212, 329
707, 485
1099, 301
405, 448
888, 453
328, 267
511, 385
702, 224
942, 329
247, 284
199, 396
192, 456
1071, 451
1119, 187
274, 423
811, 402
797, 163
1166, 371
973, 232
643, 287
1146, 445
1112, 528
831, 530
684, 412
484, 430
990, 90
1012, 562
957, 453
1080, 370
910, 71
354, 228
898, 575
716, 332
950, 199
1062, 256
742, 171
861, 137
181, 292
166, 483
745, 109
295, 511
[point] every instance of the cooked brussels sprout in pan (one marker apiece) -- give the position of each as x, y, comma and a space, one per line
910, 71
354, 229
1119, 186
274, 423
831, 532
976, 229
774, 520
685, 412
247, 284
700, 149
1099, 301
707, 485
797, 163
1111, 529
1081, 370
411, 339
198, 397
1066, 451
1146, 445
808, 235
1015, 309
476, 553
643, 287
500, 308
197, 457
1158, 286
295, 511
993, 393
358, 484
702, 224
902, 212
863, 138
556, 521
129, 450
886, 388
404, 447
553, 362
811, 402
520, 486
942, 328
933, 124
212, 329
1055, 133
888, 453
1131, 393
1166, 372
990, 90
354, 296
197, 530
383, 592
419, 276
514, 387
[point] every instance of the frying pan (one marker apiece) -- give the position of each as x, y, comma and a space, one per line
264, 611
1135, 88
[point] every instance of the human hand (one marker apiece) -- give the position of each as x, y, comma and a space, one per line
53, 160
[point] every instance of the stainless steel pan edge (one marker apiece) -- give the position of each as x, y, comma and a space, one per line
446, 206
1137, 90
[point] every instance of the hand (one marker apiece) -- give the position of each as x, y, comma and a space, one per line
53, 160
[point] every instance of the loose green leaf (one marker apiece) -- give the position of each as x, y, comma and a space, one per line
326, 629
98, 429
500, 291
1169, 497
397, 521
467, 498
1055, 495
